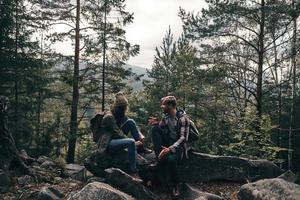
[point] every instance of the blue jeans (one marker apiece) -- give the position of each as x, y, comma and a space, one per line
118, 144
130, 126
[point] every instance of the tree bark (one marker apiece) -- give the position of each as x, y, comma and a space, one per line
292, 112
260, 66
104, 59
9, 155
75, 98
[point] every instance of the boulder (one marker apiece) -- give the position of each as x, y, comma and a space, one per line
191, 193
42, 159
199, 167
97, 190
126, 183
25, 180
76, 172
48, 164
265, 189
47, 193
95, 179
206, 167
99, 161
288, 176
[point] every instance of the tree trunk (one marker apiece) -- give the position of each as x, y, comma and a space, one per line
75, 98
9, 155
294, 65
260, 66
104, 59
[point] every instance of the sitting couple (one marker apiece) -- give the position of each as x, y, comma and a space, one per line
168, 135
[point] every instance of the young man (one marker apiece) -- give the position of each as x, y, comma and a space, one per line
168, 137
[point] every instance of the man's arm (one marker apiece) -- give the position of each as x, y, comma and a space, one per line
183, 125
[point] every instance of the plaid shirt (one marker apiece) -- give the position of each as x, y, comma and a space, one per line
183, 124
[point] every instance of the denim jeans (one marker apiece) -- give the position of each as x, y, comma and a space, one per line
119, 144
130, 126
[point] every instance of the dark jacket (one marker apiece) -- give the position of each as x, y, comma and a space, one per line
110, 131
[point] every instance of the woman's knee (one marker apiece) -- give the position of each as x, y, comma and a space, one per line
131, 122
131, 142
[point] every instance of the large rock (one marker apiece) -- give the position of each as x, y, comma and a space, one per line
191, 193
205, 167
25, 180
97, 190
199, 167
42, 159
76, 172
266, 189
98, 162
288, 176
49, 165
47, 193
126, 183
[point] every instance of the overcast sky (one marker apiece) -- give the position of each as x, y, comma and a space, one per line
151, 21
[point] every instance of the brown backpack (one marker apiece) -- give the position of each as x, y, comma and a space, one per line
95, 125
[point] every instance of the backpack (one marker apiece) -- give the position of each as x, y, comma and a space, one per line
193, 134
95, 125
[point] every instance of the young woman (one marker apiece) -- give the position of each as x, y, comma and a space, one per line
115, 125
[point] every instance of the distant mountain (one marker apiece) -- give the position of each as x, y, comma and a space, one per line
139, 71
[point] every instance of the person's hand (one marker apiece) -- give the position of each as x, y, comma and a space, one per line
164, 152
138, 143
153, 121
142, 137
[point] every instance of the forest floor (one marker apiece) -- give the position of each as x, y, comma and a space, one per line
227, 190
27, 193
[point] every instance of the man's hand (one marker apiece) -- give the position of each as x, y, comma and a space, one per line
164, 152
153, 121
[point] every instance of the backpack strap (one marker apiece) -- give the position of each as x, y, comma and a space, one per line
186, 146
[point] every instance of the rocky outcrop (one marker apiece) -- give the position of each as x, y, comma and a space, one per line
199, 167
97, 190
288, 176
205, 167
47, 193
191, 193
126, 183
276, 188
25, 180
76, 172
98, 162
